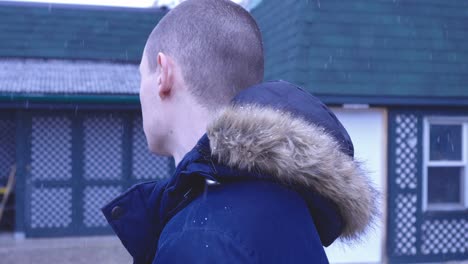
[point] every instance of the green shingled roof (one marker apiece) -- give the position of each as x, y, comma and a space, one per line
361, 49
376, 48
74, 32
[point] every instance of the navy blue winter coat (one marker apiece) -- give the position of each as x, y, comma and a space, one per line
272, 181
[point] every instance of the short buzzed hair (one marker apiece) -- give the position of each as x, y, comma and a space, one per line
217, 44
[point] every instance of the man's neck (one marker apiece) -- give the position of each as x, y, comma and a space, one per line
187, 133
187, 142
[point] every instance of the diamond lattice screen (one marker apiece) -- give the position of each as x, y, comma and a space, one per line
51, 207
94, 198
147, 166
445, 236
103, 137
7, 146
406, 173
51, 142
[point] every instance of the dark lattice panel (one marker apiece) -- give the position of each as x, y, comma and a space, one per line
51, 143
78, 166
7, 147
93, 199
103, 137
445, 237
405, 179
406, 151
147, 166
405, 220
51, 207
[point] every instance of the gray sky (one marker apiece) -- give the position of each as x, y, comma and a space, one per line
126, 3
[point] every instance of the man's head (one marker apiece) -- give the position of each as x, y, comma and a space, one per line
199, 56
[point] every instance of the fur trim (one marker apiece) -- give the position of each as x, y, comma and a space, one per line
295, 152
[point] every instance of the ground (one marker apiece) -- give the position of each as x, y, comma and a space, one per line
76, 250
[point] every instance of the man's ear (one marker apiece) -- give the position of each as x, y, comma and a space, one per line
166, 78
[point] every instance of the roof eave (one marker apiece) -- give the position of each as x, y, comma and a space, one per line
394, 101
24, 100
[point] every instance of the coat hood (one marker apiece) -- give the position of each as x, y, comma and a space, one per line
278, 129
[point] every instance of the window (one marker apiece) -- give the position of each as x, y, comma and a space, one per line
445, 163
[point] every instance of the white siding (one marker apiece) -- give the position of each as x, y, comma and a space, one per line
368, 130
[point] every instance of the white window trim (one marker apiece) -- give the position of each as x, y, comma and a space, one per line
445, 120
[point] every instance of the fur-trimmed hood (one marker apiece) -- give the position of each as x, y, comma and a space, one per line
274, 131
280, 130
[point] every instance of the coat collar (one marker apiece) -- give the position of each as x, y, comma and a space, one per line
139, 215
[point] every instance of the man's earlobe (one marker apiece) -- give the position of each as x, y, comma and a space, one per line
164, 91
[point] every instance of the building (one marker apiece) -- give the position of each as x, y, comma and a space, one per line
70, 113
395, 72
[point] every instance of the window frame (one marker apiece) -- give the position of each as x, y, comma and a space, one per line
445, 120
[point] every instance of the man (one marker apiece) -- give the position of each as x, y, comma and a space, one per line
265, 172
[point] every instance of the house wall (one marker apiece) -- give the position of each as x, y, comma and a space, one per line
394, 149
368, 131
72, 162
417, 234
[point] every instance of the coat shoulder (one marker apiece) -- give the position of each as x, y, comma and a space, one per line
266, 218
